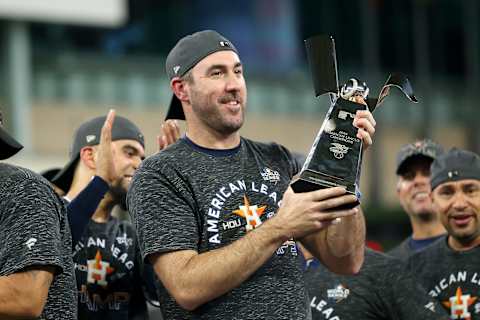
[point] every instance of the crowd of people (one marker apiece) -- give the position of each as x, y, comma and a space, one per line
215, 230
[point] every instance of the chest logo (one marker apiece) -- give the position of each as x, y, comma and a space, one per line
338, 293
98, 270
270, 175
459, 304
251, 214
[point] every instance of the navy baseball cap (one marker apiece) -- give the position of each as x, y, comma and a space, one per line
421, 148
189, 51
8, 145
456, 164
88, 134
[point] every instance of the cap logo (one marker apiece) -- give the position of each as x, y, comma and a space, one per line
175, 69
452, 174
224, 44
90, 138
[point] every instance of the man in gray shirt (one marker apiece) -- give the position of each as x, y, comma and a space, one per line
36, 267
214, 212
449, 268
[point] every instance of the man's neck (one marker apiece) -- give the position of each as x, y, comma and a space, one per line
210, 139
463, 246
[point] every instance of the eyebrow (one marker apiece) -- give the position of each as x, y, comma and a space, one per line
222, 66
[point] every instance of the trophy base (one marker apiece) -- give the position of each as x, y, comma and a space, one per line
311, 181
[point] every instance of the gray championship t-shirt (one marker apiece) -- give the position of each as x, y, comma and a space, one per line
34, 232
383, 290
451, 277
190, 198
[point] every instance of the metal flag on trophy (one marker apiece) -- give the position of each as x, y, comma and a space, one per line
336, 155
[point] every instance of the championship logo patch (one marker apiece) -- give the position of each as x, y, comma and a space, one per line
338, 293
270, 175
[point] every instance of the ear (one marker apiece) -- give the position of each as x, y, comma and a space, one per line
87, 157
399, 182
179, 88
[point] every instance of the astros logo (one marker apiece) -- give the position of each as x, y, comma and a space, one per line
251, 213
98, 270
459, 304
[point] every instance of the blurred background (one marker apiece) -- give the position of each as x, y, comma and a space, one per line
66, 61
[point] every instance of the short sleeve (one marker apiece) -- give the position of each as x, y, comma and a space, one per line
30, 226
162, 210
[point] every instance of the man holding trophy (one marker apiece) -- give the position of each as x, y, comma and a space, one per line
215, 213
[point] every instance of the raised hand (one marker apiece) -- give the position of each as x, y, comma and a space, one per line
170, 134
105, 168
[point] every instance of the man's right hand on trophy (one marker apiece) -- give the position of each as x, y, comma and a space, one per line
304, 213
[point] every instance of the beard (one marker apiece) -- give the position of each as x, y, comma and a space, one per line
211, 115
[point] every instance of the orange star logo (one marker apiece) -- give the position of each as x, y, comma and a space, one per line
251, 214
98, 270
459, 305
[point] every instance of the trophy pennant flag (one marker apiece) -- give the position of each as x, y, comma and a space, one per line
336, 155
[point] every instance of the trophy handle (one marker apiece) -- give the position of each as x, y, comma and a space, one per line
397, 80
322, 59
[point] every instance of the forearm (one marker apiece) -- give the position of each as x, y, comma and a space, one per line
341, 246
209, 275
23, 295
83, 206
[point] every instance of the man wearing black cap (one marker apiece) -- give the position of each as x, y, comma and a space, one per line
214, 211
36, 268
413, 189
107, 266
449, 268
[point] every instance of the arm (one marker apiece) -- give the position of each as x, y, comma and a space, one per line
24, 294
194, 279
340, 247
83, 206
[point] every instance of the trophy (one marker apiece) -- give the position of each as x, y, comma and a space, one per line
336, 155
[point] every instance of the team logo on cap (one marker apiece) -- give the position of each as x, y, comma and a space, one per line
225, 44
175, 69
90, 138
459, 304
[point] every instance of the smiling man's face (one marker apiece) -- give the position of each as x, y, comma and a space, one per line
413, 189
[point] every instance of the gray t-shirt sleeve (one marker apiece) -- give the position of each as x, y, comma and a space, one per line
29, 224
162, 211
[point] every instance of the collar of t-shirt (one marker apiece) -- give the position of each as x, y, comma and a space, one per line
212, 152
416, 245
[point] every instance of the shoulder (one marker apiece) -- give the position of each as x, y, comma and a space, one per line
401, 251
17, 181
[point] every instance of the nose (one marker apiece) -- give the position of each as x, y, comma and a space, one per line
233, 81
136, 161
459, 201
